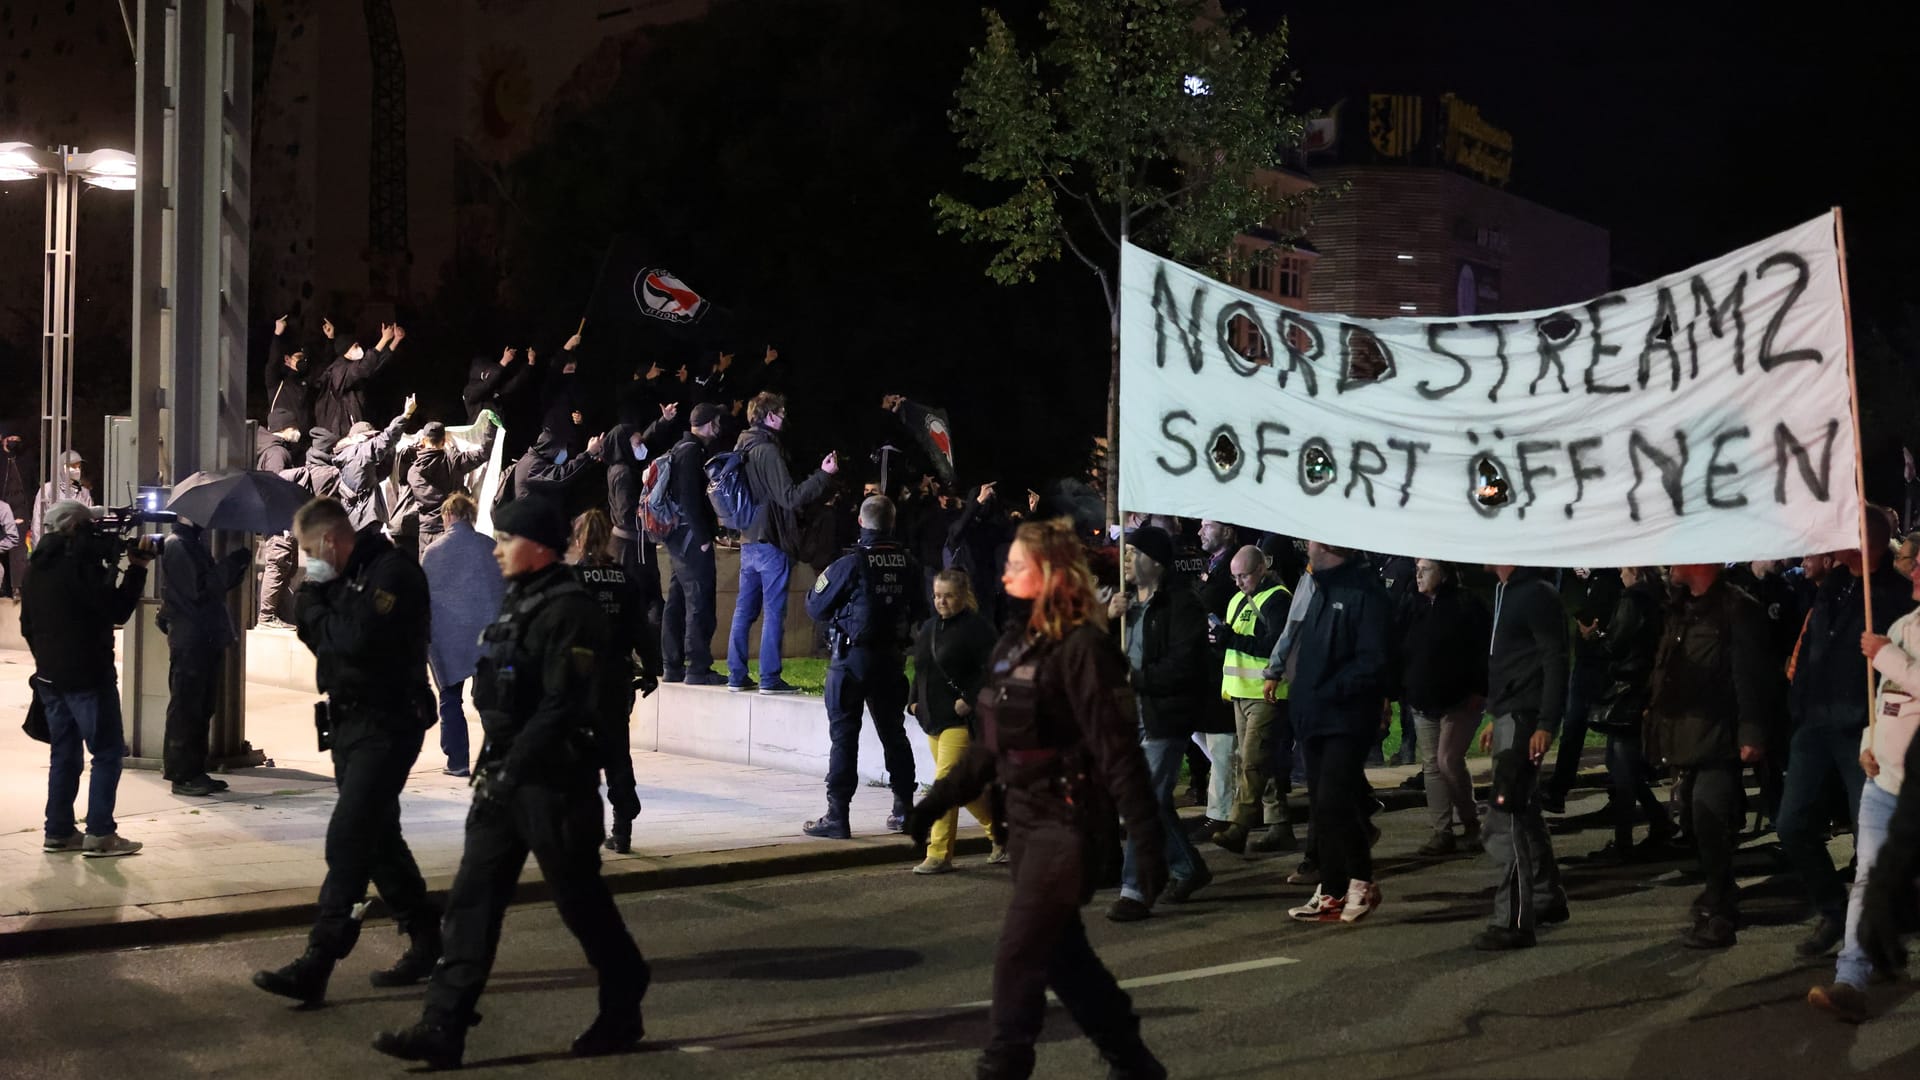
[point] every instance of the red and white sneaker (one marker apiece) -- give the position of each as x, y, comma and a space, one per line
1362, 898
1322, 908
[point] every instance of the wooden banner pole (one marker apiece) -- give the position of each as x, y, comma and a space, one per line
1859, 470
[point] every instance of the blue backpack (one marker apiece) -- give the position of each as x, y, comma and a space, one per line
727, 488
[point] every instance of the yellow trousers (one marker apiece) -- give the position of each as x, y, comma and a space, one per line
948, 748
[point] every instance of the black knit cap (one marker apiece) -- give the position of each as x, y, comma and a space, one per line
534, 518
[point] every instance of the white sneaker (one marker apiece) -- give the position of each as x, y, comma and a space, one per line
1362, 898
106, 847
1322, 908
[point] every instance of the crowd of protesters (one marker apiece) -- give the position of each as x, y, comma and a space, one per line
1259, 663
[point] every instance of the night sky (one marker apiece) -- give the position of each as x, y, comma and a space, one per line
1687, 130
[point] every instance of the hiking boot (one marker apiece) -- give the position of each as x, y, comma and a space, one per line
439, 1046
620, 840
1503, 939
73, 841
1442, 842
1232, 838
932, 866
1127, 909
1181, 889
1843, 1001
897, 820
1276, 838
108, 846
1321, 908
304, 980
1363, 898
829, 826
1826, 934
776, 687
195, 787
611, 1033
1712, 932
414, 965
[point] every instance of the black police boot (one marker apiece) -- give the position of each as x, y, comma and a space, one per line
439, 1045
1127, 1057
613, 1031
304, 980
831, 825
414, 965
1004, 1063
897, 821
620, 838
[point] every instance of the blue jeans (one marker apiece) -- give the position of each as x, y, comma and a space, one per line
77, 718
1163, 771
764, 570
453, 727
1876, 812
1816, 753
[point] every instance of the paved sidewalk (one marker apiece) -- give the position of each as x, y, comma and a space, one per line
259, 847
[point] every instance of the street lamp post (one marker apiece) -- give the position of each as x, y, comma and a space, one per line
65, 169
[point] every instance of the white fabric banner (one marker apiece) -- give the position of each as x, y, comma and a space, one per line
1704, 417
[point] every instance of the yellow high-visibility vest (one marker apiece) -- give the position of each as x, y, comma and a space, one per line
1243, 675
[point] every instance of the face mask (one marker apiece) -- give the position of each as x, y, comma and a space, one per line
73, 472
319, 571
640, 452
560, 458
356, 353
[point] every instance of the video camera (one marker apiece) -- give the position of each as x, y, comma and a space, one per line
116, 529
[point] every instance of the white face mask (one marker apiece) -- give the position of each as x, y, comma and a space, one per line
73, 473
640, 452
319, 570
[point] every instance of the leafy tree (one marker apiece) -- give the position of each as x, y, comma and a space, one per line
1143, 121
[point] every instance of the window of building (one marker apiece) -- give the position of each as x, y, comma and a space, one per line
1259, 276
1293, 278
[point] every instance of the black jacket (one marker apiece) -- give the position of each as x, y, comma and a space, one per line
193, 591
535, 721
1178, 680
1710, 686
1830, 677
1593, 599
434, 474
274, 454
949, 665
626, 477
369, 630
539, 470
68, 609
1630, 640
1443, 660
1527, 659
779, 498
492, 386
1215, 584
688, 477
1342, 656
288, 395
339, 392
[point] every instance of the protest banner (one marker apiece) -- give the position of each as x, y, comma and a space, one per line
1703, 417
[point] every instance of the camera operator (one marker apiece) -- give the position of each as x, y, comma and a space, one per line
68, 611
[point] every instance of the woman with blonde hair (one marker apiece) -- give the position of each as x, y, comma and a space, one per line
1060, 737
949, 668
590, 551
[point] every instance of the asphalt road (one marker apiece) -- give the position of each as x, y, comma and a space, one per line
881, 974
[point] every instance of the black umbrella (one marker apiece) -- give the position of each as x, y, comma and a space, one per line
256, 502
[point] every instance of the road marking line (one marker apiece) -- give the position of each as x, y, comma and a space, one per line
1177, 976
745, 1042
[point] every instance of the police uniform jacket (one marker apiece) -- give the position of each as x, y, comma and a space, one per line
620, 601
368, 629
873, 595
535, 689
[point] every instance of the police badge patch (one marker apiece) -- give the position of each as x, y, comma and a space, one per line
820, 583
382, 602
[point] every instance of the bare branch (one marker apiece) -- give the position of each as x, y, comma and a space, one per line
1106, 285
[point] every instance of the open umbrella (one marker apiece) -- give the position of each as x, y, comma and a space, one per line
250, 501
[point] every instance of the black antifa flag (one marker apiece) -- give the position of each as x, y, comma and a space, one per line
647, 303
930, 431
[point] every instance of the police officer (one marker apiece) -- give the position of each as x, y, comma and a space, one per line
624, 605
871, 600
1060, 742
363, 611
536, 789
